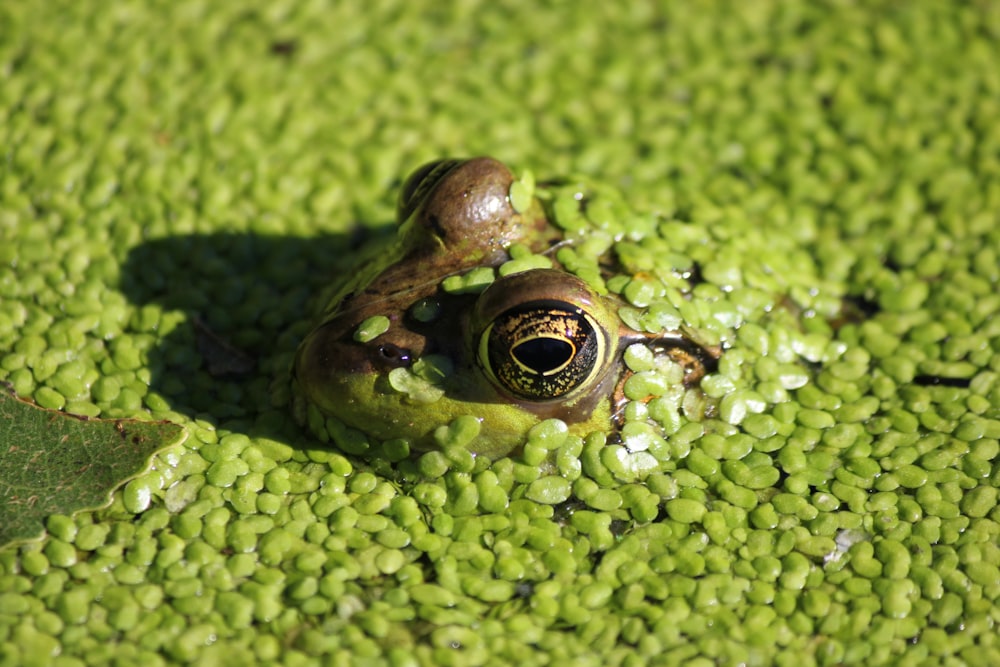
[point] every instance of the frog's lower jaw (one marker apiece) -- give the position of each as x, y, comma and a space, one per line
359, 403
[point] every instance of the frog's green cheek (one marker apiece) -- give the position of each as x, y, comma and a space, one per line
369, 403
362, 401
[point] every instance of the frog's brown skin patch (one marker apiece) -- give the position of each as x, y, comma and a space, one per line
468, 215
464, 220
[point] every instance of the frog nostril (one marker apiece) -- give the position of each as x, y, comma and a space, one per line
394, 354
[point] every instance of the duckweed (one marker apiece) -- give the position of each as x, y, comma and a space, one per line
810, 187
473, 281
371, 328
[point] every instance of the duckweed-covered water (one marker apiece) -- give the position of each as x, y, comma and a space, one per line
179, 181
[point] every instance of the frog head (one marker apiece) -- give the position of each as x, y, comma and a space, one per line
396, 355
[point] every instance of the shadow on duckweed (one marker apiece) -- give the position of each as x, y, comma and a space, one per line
247, 301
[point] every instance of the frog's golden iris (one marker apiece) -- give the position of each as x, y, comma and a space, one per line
540, 348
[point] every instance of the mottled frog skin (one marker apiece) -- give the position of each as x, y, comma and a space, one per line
535, 344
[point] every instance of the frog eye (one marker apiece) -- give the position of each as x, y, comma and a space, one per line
542, 350
459, 206
541, 338
419, 184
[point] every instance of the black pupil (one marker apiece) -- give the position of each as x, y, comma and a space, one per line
543, 355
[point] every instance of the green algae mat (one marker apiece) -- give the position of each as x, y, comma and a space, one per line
180, 181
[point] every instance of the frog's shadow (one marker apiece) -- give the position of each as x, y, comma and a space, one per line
236, 305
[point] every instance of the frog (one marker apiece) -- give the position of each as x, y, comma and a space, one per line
397, 356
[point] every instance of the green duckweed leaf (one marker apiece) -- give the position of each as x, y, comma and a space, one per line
417, 389
371, 328
56, 463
